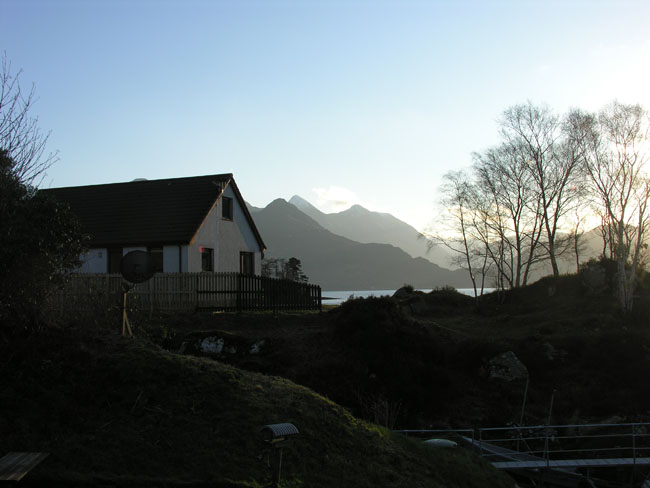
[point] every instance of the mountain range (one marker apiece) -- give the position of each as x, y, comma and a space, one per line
365, 226
358, 249
338, 262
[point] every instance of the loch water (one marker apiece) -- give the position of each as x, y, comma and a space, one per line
338, 297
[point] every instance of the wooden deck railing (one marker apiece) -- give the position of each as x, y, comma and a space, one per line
189, 292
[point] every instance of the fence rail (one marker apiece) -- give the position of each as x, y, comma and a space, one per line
563, 443
190, 292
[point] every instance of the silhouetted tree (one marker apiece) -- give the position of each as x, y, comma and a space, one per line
542, 143
40, 242
510, 210
460, 234
294, 271
20, 135
616, 155
514, 209
284, 269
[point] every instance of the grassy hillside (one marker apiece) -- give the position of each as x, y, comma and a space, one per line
422, 360
123, 412
128, 412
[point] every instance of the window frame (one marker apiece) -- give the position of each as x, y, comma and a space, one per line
244, 257
207, 257
158, 261
227, 208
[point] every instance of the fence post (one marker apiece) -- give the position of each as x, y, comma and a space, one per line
239, 292
634, 445
196, 293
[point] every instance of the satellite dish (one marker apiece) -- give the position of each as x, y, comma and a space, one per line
137, 266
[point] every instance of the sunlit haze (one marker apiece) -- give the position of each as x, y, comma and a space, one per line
340, 102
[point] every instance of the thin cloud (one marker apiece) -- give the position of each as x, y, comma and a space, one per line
335, 198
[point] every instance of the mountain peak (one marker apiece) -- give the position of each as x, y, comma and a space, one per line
278, 202
306, 207
297, 200
357, 209
301, 203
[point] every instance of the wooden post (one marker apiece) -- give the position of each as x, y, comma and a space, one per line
126, 325
277, 468
239, 294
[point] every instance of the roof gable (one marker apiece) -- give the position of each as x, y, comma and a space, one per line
147, 212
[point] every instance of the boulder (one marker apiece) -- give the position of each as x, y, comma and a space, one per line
211, 345
404, 292
506, 367
255, 348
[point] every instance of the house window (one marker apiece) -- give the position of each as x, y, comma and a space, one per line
207, 259
156, 254
226, 208
246, 263
114, 260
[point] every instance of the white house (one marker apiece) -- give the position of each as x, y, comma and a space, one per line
198, 223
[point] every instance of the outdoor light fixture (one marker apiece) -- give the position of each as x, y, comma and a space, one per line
278, 437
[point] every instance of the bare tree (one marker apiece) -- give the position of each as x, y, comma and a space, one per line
576, 234
615, 148
458, 235
492, 219
20, 135
503, 176
607, 235
546, 146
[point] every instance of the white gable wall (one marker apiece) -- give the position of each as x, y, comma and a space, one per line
227, 238
207, 236
237, 236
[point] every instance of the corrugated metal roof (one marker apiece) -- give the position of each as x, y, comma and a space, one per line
281, 430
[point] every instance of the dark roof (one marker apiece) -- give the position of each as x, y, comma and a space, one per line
147, 212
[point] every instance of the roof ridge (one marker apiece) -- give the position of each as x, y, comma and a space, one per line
221, 176
164, 211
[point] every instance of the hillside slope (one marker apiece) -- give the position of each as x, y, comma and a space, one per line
338, 263
421, 360
113, 412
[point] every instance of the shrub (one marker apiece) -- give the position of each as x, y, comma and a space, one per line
40, 242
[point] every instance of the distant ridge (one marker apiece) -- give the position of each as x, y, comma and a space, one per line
333, 239
362, 225
338, 263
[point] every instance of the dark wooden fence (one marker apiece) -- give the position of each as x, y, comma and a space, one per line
189, 292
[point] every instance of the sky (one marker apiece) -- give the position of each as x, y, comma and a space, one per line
340, 102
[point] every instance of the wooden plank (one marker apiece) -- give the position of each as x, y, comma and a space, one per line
15, 465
